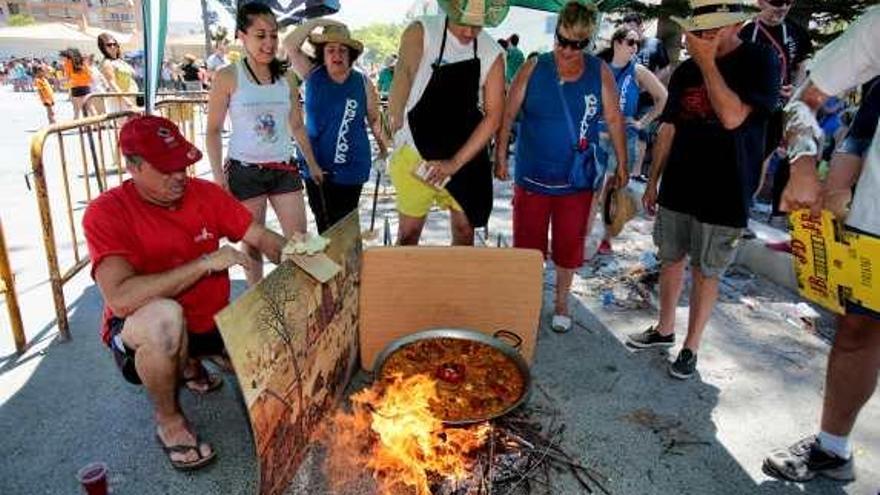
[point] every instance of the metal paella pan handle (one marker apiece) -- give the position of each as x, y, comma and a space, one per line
510, 338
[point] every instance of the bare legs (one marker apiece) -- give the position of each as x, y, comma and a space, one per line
704, 294
852, 372
291, 212
410, 229
157, 332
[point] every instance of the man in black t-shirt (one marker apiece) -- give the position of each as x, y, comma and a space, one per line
790, 43
709, 151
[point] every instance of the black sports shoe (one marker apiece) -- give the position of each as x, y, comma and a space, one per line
650, 338
684, 366
805, 460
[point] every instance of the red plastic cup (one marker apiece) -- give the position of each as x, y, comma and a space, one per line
93, 478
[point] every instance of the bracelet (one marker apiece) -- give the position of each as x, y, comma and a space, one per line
206, 260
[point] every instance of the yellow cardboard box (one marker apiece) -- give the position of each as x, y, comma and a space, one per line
833, 263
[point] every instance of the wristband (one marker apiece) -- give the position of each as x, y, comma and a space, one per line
206, 260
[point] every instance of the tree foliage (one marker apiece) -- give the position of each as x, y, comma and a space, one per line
20, 20
825, 18
380, 40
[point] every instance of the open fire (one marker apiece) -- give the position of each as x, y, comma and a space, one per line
392, 434
399, 439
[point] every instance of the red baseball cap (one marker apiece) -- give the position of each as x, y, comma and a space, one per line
158, 141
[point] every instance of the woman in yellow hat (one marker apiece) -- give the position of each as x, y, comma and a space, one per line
339, 100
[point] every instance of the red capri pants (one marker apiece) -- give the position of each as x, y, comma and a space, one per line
534, 213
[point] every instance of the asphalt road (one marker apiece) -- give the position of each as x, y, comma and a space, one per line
63, 405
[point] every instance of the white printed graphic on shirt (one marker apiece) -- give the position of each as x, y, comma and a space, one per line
341, 155
624, 89
265, 128
591, 106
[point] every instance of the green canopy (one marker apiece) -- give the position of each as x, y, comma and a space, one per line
556, 5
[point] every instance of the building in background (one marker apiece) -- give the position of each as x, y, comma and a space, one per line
115, 15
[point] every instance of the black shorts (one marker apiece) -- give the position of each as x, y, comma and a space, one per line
200, 344
78, 91
252, 180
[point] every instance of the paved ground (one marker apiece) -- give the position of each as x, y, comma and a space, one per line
63, 405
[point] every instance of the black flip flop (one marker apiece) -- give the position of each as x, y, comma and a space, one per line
199, 463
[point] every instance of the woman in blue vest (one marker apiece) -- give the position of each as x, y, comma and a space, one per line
631, 79
561, 97
339, 102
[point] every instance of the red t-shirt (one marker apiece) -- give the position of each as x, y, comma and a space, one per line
156, 239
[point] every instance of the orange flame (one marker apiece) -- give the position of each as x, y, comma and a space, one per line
407, 441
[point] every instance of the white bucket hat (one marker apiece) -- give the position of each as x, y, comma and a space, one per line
713, 14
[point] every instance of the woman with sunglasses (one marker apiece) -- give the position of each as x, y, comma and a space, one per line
561, 96
118, 74
631, 78
262, 99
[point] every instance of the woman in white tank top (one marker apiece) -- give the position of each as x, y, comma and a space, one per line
264, 108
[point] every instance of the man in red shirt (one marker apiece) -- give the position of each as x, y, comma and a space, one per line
156, 257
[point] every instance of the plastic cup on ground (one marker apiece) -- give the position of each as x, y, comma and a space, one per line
93, 477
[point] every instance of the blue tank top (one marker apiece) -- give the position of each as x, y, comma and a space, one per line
628, 90
336, 122
545, 148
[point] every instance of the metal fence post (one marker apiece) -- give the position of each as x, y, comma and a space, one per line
7, 288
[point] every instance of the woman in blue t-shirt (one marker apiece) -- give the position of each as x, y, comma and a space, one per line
339, 102
560, 97
631, 79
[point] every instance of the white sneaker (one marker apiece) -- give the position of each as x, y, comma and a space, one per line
560, 323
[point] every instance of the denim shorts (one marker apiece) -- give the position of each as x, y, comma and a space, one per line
632, 151
249, 180
712, 248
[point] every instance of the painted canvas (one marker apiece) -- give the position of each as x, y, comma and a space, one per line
293, 342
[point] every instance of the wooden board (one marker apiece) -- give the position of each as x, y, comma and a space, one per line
834, 264
293, 342
408, 289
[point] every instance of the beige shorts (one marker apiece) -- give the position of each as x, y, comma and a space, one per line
712, 248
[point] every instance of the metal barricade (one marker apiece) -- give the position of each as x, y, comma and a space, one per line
7, 288
109, 100
79, 177
77, 172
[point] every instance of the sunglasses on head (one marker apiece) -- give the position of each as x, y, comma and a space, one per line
573, 44
780, 3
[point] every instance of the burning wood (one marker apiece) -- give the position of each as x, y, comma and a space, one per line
392, 435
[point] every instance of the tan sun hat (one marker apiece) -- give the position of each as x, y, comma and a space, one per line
488, 13
335, 33
620, 207
713, 14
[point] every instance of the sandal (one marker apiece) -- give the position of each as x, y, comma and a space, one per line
202, 382
202, 460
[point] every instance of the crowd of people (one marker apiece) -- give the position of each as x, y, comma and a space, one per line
580, 125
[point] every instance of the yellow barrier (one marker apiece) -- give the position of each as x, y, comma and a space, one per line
7, 288
102, 134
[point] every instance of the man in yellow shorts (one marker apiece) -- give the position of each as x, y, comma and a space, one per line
446, 67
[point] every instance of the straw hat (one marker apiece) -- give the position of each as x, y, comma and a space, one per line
620, 207
488, 13
334, 33
713, 14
